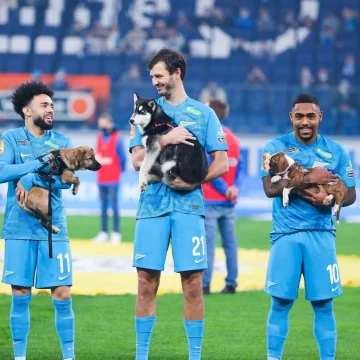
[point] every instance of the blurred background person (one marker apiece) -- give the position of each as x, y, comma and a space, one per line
345, 109
133, 75
110, 152
220, 200
60, 82
211, 92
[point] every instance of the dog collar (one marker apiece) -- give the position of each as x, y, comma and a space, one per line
163, 124
58, 163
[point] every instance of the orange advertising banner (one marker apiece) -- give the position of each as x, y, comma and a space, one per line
86, 96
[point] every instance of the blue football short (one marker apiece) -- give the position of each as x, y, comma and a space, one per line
187, 234
25, 259
308, 253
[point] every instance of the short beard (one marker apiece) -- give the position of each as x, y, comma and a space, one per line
168, 89
40, 122
306, 139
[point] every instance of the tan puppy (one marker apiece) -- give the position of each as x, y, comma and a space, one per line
284, 167
66, 161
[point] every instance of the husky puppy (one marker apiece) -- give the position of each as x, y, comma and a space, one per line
187, 162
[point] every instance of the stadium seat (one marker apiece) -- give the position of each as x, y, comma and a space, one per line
44, 54
4, 14
73, 45
52, 17
19, 48
199, 48
83, 15
57, 4
72, 51
27, 15
4, 46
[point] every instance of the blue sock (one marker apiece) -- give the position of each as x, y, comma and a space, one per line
277, 327
65, 326
20, 323
143, 327
325, 328
194, 331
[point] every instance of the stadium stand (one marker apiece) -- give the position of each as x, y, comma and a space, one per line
222, 40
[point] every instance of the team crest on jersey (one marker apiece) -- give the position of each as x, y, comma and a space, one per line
21, 142
321, 164
132, 131
265, 160
184, 123
2, 147
294, 149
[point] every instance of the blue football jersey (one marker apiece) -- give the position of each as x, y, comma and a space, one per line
200, 120
18, 152
300, 214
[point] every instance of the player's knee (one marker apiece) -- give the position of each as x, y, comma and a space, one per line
323, 306
61, 293
147, 285
278, 304
18, 291
192, 284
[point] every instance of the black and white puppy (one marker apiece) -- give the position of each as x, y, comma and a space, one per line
187, 162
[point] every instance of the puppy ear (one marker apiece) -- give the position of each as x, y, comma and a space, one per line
79, 156
152, 105
136, 97
283, 164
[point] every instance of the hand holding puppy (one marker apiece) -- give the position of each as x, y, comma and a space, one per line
316, 198
320, 176
178, 135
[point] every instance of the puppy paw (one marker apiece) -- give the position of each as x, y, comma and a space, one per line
285, 202
143, 187
275, 179
336, 209
328, 200
74, 191
55, 229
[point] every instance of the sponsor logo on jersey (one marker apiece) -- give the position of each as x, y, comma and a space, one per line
324, 153
350, 175
193, 111
293, 149
23, 141
51, 144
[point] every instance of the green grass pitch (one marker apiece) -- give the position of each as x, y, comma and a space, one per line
235, 325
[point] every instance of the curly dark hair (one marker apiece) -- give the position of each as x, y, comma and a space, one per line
23, 95
172, 59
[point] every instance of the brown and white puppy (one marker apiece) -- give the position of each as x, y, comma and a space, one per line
80, 158
284, 167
